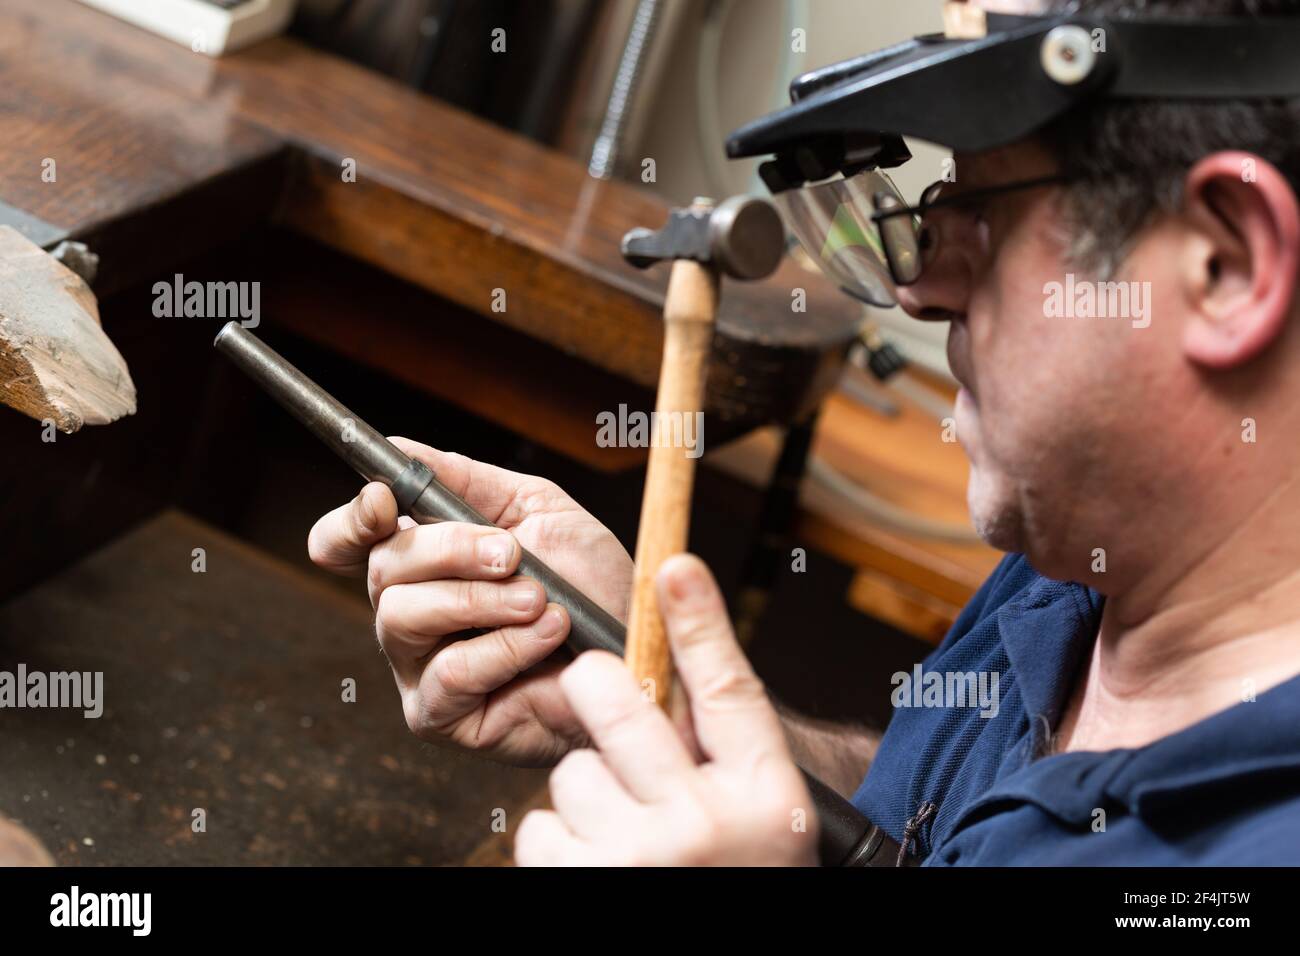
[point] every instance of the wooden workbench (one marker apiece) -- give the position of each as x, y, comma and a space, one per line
162, 154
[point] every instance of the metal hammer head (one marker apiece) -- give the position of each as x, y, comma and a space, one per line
741, 237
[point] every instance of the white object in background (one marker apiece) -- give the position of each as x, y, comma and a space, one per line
213, 27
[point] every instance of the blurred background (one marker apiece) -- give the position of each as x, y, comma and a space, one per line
705, 68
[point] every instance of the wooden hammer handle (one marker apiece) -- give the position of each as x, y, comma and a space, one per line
689, 314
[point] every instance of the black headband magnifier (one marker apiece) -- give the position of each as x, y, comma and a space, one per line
845, 126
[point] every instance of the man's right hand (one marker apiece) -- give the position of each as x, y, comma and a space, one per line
495, 693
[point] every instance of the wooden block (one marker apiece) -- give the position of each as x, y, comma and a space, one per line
55, 360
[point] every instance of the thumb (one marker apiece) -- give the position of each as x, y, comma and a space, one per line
733, 718
341, 540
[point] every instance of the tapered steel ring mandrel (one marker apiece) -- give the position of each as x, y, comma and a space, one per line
417, 489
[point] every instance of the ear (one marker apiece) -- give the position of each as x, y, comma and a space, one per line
1241, 275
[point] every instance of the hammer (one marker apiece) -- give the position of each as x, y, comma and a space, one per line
741, 237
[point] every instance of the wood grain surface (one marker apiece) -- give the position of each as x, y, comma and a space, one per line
670, 476
162, 154
56, 363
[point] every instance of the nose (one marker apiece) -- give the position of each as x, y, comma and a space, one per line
944, 285
943, 290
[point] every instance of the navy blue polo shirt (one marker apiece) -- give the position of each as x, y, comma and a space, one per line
1225, 791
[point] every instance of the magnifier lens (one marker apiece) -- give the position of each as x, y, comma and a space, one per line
833, 230
901, 237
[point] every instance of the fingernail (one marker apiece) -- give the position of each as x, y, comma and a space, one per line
685, 583
366, 512
522, 595
549, 624
495, 551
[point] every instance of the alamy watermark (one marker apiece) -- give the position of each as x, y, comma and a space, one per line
624, 429
133, 911
208, 300
76, 690
1085, 299
923, 688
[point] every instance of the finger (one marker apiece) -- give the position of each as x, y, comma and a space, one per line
412, 619
634, 736
341, 540
464, 671
527, 723
589, 798
544, 840
449, 549
733, 718
489, 490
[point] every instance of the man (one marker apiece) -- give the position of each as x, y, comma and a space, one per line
1149, 714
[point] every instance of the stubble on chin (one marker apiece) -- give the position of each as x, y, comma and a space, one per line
993, 513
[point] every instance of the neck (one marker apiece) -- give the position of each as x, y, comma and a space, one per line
1201, 631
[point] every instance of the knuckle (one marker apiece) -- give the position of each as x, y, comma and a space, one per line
466, 601
417, 719
387, 612
425, 725
509, 641
537, 495
732, 687
702, 625
376, 571
623, 722
452, 668
451, 544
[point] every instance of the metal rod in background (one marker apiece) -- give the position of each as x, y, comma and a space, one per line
606, 151
847, 837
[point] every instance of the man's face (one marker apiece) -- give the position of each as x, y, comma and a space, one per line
1057, 405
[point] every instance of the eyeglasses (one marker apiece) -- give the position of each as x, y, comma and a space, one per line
908, 241
864, 236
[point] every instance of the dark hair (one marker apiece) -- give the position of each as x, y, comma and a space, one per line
1131, 158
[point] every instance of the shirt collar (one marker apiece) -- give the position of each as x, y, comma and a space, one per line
1047, 632
1253, 739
